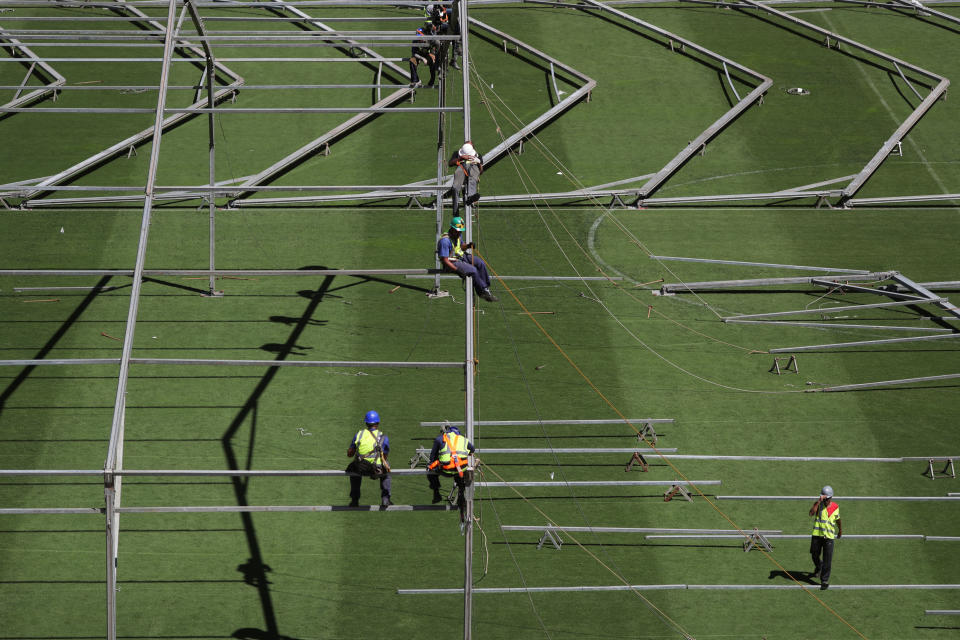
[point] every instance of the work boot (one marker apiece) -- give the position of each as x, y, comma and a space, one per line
455, 64
354, 503
437, 497
824, 586
489, 297
385, 502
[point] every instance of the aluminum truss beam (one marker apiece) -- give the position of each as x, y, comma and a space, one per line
526, 423
741, 263
848, 498
863, 343
886, 383
784, 536
124, 145
114, 462
576, 450
36, 93
698, 143
579, 529
601, 483
888, 146
672, 587
826, 310
760, 282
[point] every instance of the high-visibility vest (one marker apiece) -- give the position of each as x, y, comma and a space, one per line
458, 253
825, 524
453, 456
367, 449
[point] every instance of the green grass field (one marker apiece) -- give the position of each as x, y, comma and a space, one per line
587, 350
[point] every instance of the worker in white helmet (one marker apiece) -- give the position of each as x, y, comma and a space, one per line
826, 529
469, 166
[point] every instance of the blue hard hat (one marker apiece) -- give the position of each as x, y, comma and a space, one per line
451, 428
372, 417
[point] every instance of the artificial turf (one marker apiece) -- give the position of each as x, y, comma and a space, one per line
335, 574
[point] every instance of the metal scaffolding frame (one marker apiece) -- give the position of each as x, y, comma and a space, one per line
198, 50
203, 55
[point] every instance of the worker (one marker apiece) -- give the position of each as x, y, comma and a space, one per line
454, 23
454, 257
469, 166
446, 24
426, 52
450, 456
826, 529
369, 450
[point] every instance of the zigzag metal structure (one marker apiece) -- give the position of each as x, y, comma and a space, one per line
844, 196
32, 193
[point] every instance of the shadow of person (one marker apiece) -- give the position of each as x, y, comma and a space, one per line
285, 349
249, 633
803, 576
254, 573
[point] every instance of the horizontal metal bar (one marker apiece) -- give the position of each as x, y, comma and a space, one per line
300, 363
782, 536
285, 508
576, 450
934, 458
811, 498
231, 189
779, 458
837, 325
669, 587
41, 511
508, 527
216, 272
223, 110
863, 343
851, 307
189, 473
885, 383
58, 361
941, 612
450, 276
600, 483
757, 282
762, 264
195, 60
524, 423
943, 538
194, 87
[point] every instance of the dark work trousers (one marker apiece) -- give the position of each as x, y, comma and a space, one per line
353, 467
471, 265
822, 546
433, 478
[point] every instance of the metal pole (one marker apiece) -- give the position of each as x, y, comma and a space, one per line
464, 23
209, 76
114, 460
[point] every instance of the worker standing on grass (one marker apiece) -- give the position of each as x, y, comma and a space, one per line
469, 166
450, 456
826, 529
455, 258
369, 450
425, 52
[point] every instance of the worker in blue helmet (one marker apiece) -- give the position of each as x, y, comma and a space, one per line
454, 257
369, 450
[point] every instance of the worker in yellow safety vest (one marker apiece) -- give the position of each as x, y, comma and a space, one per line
826, 529
369, 449
450, 456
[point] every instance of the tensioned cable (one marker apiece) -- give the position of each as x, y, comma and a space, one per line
667, 460
615, 570
626, 420
552, 159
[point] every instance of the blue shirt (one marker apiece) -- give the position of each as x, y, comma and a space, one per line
445, 248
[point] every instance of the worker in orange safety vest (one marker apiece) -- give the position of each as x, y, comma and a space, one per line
450, 456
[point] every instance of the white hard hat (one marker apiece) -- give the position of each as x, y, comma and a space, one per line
429, 9
467, 150
827, 491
